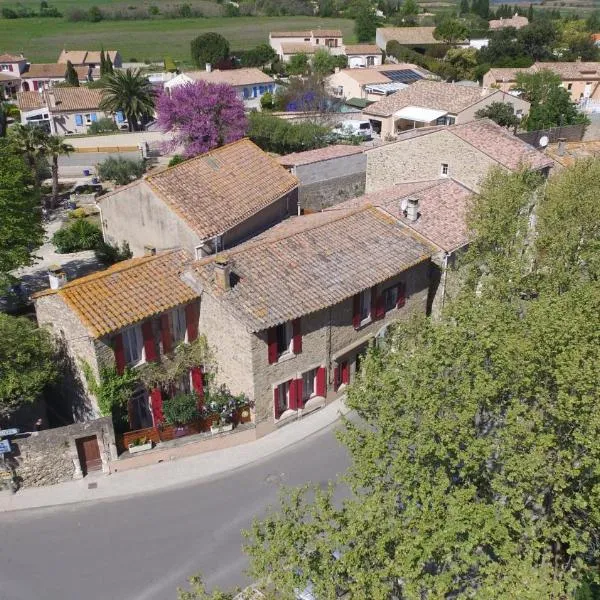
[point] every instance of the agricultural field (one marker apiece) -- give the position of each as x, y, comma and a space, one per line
42, 39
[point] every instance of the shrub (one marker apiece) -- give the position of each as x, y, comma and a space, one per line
154, 10
181, 409
121, 170
78, 213
266, 101
79, 235
209, 48
109, 254
102, 126
170, 65
95, 15
177, 159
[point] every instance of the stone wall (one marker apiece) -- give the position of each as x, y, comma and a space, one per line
50, 456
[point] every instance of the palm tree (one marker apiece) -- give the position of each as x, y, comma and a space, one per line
31, 141
131, 92
55, 146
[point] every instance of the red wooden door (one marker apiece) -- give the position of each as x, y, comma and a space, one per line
89, 454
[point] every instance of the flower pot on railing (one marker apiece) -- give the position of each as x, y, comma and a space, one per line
139, 445
221, 427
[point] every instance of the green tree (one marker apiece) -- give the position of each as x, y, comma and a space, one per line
55, 146
365, 22
121, 170
259, 56
128, 91
298, 64
7, 110
20, 218
27, 362
451, 31
530, 16
407, 16
71, 76
538, 39
102, 63
30, 140
209, 48
464, 7
323, 62
460, 63
502, 113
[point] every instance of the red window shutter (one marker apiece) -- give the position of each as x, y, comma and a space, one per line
198, 383
296, 336
10, 67
272, 343
165, 333
356, 311
345, 374
293, 397
321, 384
149, 342
119, 353
35, 86
157, 402
336, 378
299, 392
276, 402
374, 302
192, 314
401, 295
379, 310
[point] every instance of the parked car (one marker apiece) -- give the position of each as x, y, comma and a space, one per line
350, 129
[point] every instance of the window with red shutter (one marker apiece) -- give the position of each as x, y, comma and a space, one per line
379, 310
272, 345
292, 394
165, 334
321, 383
119, 353
356, 311
276, 407
300, 400
401, 295
296, 336
345, 372
192, 314
149, 341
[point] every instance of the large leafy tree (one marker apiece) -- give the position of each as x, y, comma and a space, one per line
451, 31
209, 48
27, 362
365, 22
202, 116
502, 113
128, 91
30, 142
475, 466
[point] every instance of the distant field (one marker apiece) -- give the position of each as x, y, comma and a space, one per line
41, 40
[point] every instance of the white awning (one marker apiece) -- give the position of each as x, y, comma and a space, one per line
422, 115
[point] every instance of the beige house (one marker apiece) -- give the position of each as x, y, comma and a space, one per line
11, 67
427, 103
516, 21
580, 79
463, 152
203, 205
362, 56
288, 43
413, 37
290, 313
89, 58
43, 76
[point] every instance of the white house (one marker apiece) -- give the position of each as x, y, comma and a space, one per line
363, 55
288, 43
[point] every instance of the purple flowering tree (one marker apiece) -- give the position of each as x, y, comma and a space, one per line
201, 116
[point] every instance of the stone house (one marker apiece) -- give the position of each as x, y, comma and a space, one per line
63, 110
327, 175
288, 43
44, 76
89, 58
290, 313
427, 103
362, 56
132, 313
205, 204
516, 21
417, 38
463, 152
250, 84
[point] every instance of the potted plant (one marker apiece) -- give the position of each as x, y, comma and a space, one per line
220, 406
179, 410
139, 445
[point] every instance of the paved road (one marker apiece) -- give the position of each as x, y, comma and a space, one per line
143, 547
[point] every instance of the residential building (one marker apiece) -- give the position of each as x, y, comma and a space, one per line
290, 313
90, 58
250, 84
327, 175
412, 37
9, 85
463, 152
11, 67
580, 79
44, 76
363, 55
133, 313
426, 103
376, 82
288, 43
63, 110
204, 205
516, 21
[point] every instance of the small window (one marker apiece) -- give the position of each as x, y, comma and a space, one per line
178, 325
309, 384
307, 39
283, 396
88, 119
133, 344
365, 306
444, 170
284, 338
317, 41
570, 86
450, 120
440, 121
390, 297
370, 61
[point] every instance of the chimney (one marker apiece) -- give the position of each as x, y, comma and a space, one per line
222, 272
149, 250
562, 146
412, 209
56, 276
208, 67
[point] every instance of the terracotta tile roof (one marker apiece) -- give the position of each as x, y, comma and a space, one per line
318, 155
517, 22
365, 76
298, 48
81, 57
299, 34
4, 76
53, 71
306, 264
362, 49
232, 77
408, 35
443, 205
430, 94
93, 56
506, 74
127, 292
68, 99
217, 190
11, 58
571, 70
30, 100
326, 33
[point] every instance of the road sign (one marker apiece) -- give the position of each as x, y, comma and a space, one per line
4, 447
5, 432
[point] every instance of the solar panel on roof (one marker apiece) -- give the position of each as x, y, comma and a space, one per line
403, 75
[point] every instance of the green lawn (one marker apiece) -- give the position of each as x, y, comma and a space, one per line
41, 40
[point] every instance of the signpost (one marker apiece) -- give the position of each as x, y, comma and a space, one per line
7, 432
4, 447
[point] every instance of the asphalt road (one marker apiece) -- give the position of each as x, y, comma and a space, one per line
144, 547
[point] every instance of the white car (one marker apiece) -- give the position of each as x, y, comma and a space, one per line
350, 128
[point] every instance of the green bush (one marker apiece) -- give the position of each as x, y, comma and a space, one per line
266, 101
181, 409
78, 213
109, 255
177, 159
79, 235
102, 126
121, 170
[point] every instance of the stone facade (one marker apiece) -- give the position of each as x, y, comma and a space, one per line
50, 456
328, 182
